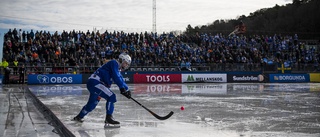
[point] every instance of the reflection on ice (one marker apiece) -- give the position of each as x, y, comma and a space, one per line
112, 132
204, 89
57, 90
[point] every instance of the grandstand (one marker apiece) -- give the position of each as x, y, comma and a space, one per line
83, 52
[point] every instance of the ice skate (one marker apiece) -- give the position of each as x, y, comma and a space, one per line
78, 119
111, 123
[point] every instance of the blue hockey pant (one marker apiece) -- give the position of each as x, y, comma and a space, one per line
98, 91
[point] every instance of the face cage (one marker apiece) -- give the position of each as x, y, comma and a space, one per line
125, 65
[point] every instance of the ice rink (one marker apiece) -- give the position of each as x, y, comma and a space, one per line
211, 110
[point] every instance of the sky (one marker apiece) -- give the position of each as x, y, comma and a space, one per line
122, 15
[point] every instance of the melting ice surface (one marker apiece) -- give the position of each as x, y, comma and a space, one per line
221, 110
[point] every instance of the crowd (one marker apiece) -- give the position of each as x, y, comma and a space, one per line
78, 48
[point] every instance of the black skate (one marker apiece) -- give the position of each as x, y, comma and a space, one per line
111, 123
78, 119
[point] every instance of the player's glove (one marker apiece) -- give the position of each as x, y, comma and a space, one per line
126, 93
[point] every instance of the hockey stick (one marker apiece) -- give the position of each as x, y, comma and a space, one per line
154, 114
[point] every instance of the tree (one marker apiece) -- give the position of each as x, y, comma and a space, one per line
298, 2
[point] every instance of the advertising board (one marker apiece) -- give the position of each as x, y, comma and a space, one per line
289, 78
54, 79
314, 77
198, 78
157, 78
245, 78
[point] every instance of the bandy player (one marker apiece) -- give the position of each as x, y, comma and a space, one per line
99, 84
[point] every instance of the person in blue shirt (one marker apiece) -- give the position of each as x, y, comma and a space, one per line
99, 84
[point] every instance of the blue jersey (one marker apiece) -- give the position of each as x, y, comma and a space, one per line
109, 73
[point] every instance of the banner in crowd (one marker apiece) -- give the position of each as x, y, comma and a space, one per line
198, 78
54, 79
157, 88
290, 78
192, 88
243, 78
157, 78
314, 77
53, 90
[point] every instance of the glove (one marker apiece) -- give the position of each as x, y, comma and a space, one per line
126, 93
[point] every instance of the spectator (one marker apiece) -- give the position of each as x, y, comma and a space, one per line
7, 72
31, 35
20, 35
24, 36
22, 72
188, 65
5, 64
152, 49
15, 67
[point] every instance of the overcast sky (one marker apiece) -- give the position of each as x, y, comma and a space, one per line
127, 15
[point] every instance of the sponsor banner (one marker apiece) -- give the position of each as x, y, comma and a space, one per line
289, 78
204, 89
157, 88
197, 78
314, 77
128, 78
56, 90
245, 78
55, 79
157, 78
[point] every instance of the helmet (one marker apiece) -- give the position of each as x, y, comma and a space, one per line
125, 61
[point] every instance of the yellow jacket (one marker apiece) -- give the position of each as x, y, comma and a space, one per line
5, 64
15, 63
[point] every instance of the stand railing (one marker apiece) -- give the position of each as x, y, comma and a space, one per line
216, 67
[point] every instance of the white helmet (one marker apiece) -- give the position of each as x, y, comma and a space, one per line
125, 61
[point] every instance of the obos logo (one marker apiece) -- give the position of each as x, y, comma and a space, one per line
45, 79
